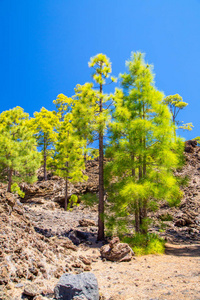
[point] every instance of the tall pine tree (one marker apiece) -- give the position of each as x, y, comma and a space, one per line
141, 151
102, 70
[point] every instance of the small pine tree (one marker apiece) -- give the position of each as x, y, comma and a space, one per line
68, 159
19, 158
84, 110
44, 126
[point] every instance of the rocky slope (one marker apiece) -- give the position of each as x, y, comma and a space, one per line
39, 242
182, 224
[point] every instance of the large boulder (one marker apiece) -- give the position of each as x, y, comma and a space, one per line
72, 286
116, 251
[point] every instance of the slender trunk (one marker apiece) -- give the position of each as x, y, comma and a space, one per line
133, 169
140, 177
137, 221
10, 180
144, 213
45, 161
101, 191
66, 194
144, 167
100, 236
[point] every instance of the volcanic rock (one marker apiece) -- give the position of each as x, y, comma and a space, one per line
81, 285
116, 251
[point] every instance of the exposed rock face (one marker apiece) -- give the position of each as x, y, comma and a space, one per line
26, 254
116, 251
54, 188
184, 225
190, 145
77, 287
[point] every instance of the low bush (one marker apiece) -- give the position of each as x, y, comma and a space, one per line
142, 244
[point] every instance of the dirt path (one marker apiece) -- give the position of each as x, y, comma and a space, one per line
175, 275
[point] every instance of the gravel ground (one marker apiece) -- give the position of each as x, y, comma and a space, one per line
174, 275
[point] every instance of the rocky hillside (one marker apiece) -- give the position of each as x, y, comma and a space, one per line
182, 224
39, 241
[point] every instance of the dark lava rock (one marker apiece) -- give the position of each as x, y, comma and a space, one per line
71, 286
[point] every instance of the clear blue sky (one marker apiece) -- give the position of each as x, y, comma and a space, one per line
46, 45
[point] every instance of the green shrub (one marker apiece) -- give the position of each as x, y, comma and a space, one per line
73, 201
16, 190
143, 244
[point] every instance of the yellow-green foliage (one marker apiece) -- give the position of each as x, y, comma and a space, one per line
145, 244
68, 159
44, 124
73, 201
19, 158
16, 190
142, 151
176, 103
63, 105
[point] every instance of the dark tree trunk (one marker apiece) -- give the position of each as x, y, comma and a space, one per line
133, 169
101, 191
140, 177
100, 235
66, 194
137, 221
10, 180
144, 208
45, 161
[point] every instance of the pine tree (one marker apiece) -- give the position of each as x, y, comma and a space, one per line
102, 69
69, 160
84, 112
141, 150
176, 103
44, 126
63, 105
19, 158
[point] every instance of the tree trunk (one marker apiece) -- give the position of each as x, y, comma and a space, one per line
144, 208
133, 169
137, 221
10, 180
140, 177
101, 191
100, 235
66, 194
45, 161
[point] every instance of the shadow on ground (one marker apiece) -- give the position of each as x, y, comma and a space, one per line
183, 250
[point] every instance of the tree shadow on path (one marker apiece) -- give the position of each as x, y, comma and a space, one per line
183, 250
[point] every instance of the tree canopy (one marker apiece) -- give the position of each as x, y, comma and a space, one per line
19, 158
